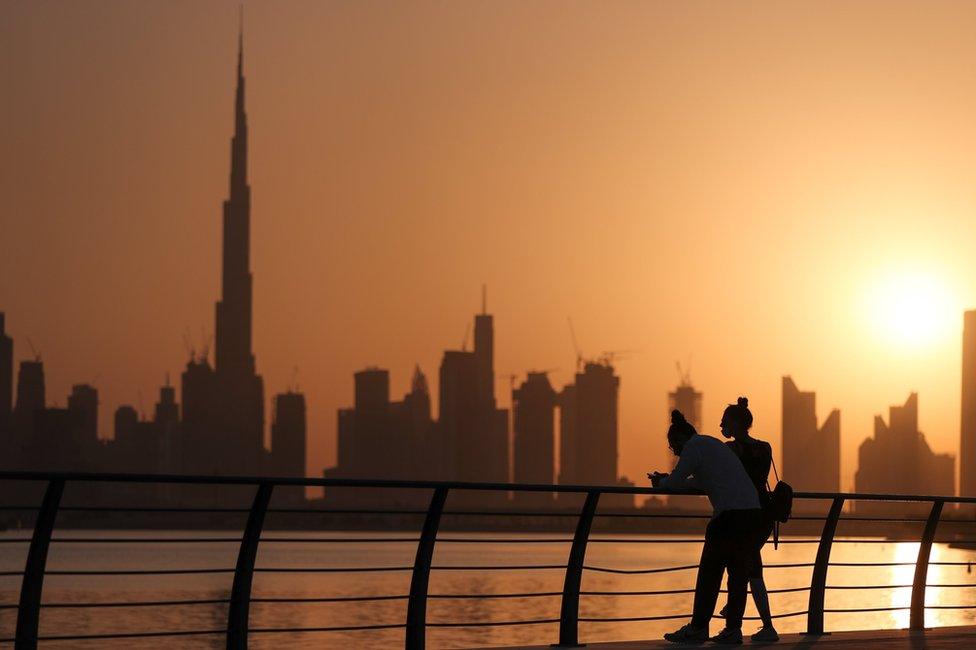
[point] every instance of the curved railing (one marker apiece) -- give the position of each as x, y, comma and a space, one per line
415, 624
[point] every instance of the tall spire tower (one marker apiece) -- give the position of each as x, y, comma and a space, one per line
223, 406
234, 354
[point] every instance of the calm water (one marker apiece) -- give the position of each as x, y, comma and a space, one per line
313, 554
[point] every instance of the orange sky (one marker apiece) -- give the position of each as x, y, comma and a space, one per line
729, 181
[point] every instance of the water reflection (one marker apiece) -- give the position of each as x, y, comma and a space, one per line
619, 555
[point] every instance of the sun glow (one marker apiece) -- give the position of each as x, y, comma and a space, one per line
911, 309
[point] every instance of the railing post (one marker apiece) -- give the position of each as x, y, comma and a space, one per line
240, 595
917, 618
29, 610
416, 632
818, 581
569, 612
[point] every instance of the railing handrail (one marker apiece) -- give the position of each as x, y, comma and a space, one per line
122, 477
415, 626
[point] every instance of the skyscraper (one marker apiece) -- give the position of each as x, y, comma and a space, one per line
421, 457
167, 411
6, 377
288, 443
30, 389
689, 401
458, 414
566, 401
233, 312
588, 436
126, 419
590, 410
484, 352
473, 431
224, 406
83, 401
967, 429
491, 440
166, 420
533, 408
811, 455
381, 438
375, 452
899, 460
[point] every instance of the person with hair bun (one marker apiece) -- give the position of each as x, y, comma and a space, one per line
706, 464
757, 458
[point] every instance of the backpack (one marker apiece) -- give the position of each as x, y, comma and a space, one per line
780, 505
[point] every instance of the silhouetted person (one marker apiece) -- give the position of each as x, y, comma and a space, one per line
707, 464
756, 457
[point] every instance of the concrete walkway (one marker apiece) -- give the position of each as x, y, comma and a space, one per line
931, 639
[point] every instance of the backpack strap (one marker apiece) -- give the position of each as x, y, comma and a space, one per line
775, 523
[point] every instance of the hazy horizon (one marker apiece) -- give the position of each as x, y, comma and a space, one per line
741, 185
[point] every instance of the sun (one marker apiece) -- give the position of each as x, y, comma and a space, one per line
911, 309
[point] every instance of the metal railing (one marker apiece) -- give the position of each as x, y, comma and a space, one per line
415, 625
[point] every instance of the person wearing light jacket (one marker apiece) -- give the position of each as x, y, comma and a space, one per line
732, 535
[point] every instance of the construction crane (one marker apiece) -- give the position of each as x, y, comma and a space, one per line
576, 348
34, 351
511, 377
514, 376
607, 357
205, 348
684, 373
191, 350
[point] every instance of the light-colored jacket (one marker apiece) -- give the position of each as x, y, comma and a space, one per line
710, 466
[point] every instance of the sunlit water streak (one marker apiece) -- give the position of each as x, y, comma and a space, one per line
309, 554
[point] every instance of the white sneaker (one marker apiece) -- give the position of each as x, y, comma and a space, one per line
766, 634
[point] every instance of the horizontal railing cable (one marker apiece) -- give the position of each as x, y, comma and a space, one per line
178, 509
145, 540
631, 619
182, 479
862, 564
538, 621
132, 572
341, 628
539, 594
516, 567
339, 540
786, 615
670, 592
328, 599
334, 599
30, 605
861, 610
122, 635
686, 567
136, 603
370, 569
345, 511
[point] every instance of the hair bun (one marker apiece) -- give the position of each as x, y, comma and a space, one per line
677, 417
743, 402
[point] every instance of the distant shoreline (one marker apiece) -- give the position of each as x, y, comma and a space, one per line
619, 523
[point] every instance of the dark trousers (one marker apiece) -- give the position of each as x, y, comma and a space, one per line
731, 542
765, 530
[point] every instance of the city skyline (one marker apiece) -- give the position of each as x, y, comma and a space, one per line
397, 328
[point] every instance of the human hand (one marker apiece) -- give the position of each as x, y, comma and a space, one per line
656, 478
